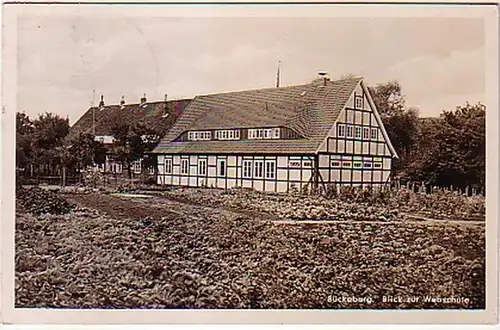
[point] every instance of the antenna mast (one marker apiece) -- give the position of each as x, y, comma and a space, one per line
93, 112
278, 75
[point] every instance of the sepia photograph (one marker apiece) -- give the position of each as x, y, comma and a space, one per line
166, 161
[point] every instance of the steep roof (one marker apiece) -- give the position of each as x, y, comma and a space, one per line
152, 114
309, 109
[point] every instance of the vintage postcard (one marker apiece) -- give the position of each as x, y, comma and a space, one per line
249, 163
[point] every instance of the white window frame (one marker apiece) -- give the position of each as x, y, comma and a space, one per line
258, 169
137, 166
270, 169
169, 165
359, 163
374, 134
199, 135
221, 167
365, 163
202, 166
357, 130
151, 170
247, 169
184, 166
341, 130
263, 133
349, 132
366, 133
276, 133
377, 165
232, 134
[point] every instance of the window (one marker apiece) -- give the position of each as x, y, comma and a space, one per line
201, 135
258, 169
341, 130
346, 164
184, 166
221, 167
377, 165
306, 164
374, 134
118, 168
267, 133
137, 166
349, 131
202, 167
270, 169
230, 134
247, 168
357, 164
168, 166
276, 133
366, 133
358, 132
151, 169
335, 163
359, 102
368, 164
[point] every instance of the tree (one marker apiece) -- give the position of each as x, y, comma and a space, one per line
132, 142
24, 148
400, 122
451, 148
48, 137
81, 151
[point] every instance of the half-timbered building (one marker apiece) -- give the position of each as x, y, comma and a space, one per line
99, 121
278, 139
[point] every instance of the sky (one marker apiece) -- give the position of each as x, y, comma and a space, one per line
440, 62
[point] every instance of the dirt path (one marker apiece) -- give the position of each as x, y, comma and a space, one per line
156, 207
139, 208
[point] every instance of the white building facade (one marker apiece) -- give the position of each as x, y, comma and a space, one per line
277, 140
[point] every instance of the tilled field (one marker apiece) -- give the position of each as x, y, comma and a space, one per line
114, 252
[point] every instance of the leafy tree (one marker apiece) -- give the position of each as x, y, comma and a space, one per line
451, 148
132, 142
400, 122
48, 137
83, 150
24, 148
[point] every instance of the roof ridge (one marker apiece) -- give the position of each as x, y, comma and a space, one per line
138, 104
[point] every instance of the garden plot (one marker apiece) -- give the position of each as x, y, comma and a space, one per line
118, 252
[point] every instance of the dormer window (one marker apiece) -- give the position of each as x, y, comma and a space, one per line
199, 135
263, 133
229, 134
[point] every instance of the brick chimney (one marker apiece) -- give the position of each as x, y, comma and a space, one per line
143, 99
122, 101
101, 103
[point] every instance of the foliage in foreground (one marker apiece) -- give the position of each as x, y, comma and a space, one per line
348, 204
206, 258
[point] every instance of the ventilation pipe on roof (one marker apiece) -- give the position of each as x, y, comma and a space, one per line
122, 101
143, 99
